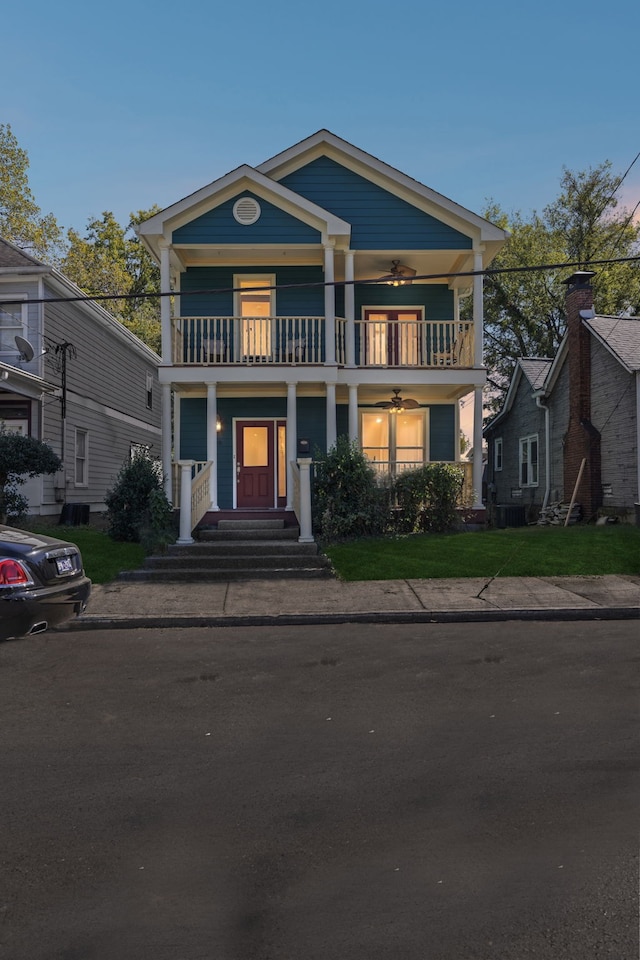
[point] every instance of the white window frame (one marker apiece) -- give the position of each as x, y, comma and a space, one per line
497, 454
84, 459
528, 467
264, 340
392, 463
10, 349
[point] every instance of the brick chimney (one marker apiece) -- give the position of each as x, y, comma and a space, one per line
582, 440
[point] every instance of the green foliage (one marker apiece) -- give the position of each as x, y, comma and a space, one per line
137, 509
524, 311
20, 458
347, 500
21, 220
427, 497
110, 261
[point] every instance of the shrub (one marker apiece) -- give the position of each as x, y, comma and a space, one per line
426, 498
347, 499
21, 457
137, 508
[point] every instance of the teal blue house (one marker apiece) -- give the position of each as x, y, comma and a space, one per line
315, 295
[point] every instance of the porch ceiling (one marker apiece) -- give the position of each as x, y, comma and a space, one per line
368, 395
368, 264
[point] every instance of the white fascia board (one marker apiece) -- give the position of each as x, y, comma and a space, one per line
18, 380
64, 288
243, 178
556, 367
387, 177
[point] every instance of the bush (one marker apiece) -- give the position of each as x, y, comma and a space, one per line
137, 508
426, 498
347, 500
21, 457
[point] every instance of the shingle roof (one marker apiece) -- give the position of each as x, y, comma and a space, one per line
621, 335
535, 370
12, 256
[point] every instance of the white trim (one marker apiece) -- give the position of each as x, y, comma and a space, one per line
384, 175
85, 459
498, 460
219, 191
528, 441
234, 459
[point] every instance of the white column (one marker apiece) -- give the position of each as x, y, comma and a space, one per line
165, 302
478, 311
350, 309
292, 440
477, 449
212, 442
185, 501
329, 305
166, 441
332, 428
353, 412
306, 532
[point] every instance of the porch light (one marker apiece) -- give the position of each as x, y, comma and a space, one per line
218, 424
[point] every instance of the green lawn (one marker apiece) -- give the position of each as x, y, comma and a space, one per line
520, 552
103, 558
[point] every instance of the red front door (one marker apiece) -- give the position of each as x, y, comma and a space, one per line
255, 464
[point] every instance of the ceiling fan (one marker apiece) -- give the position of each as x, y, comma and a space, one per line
399, 275
397, 404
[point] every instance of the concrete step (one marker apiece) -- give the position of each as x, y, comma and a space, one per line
275, 524
205, 534
243, 548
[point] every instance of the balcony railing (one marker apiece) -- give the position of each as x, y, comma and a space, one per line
213, 341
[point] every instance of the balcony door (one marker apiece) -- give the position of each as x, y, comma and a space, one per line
254, 305
392, 338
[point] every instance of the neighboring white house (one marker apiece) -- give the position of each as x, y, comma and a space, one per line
74, 376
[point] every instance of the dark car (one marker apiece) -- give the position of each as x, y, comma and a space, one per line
42, 583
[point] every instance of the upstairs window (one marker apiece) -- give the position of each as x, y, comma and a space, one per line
13, 323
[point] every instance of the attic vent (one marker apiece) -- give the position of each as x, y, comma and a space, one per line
246, 210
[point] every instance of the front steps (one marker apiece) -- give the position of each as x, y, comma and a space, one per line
242, 549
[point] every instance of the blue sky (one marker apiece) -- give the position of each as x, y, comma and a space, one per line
127, 104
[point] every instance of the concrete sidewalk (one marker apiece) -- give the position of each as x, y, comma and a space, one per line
124, 604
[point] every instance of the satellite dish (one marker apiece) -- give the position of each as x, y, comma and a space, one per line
26, 350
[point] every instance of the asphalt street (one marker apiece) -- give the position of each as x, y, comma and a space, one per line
361, 792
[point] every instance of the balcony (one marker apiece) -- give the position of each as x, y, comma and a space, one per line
214, 341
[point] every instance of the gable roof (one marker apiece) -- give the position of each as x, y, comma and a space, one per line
620, 335
15, 260
325, 143
265, 179
535, 371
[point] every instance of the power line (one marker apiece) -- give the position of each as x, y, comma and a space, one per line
100, 297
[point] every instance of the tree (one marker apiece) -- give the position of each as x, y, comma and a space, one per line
21, 457
524, 311
110, 261
21, 220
